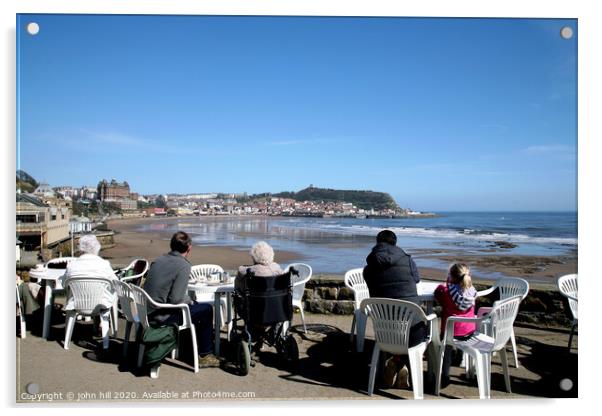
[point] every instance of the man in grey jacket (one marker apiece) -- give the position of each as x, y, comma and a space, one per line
167, 282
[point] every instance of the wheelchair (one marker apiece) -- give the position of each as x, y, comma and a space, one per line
264, 305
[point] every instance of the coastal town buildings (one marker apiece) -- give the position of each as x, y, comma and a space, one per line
41, 222
112, 191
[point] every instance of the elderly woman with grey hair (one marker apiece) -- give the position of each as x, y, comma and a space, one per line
263, 261
89, 264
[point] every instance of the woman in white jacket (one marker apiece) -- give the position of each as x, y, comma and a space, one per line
89, 264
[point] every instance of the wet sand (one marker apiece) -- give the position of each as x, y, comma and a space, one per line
131, 243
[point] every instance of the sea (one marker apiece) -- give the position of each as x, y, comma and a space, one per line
334, 245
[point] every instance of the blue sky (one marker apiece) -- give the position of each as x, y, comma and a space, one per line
444, 114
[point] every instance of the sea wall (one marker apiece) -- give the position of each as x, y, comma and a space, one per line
542, 307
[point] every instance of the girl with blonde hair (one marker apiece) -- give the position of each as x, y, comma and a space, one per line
457, 298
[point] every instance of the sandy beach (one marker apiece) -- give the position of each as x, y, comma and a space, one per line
130, 244
153, 241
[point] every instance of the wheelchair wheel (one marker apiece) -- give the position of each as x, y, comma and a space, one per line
244, 357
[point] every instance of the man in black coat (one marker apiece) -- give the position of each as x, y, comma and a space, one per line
391, 273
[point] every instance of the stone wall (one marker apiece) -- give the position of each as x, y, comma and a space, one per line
541, 307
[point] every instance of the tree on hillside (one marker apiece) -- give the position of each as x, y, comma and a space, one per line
160, 202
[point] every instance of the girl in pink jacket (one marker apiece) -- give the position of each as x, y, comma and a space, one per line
457, 298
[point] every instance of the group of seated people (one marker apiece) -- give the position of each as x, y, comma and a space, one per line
392, 273
389, 273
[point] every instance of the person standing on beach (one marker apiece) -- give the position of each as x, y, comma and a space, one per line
391, 273
167, 282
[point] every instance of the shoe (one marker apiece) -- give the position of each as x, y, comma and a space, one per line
389, 373
403, 378
154, 371
208, 361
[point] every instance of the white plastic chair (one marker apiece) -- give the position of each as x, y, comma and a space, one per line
299, 281
128, 308
23, 333
201, 273
354, 280
88, 294
567, 285
142, 300
480, 346
507, 287
392, 320
132, 266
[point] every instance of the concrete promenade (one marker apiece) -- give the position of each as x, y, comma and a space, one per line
328, 369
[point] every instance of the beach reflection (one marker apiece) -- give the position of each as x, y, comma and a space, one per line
325, 244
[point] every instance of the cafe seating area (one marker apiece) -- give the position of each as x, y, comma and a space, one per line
378, 325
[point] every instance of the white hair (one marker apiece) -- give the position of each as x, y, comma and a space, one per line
89, 244
262, 253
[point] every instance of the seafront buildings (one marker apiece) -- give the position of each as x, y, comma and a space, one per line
42, 221
49, 216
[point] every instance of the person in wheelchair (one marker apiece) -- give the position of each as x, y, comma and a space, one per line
263, 300
263, 262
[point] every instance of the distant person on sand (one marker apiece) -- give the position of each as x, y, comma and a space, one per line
90, 264
457, 298
167, 282
263, 265
391, 273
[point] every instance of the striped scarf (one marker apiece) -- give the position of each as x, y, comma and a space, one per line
464, 299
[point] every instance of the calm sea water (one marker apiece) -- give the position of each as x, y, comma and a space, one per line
333, 245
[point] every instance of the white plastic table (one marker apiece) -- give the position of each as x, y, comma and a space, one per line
426, 293
51, 276
218, 291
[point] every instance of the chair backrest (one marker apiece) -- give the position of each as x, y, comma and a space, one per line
141, 300
392, 320
136, 270
140, 266
502, 316
354, 280
567, 285
200, 272
512, 286
87, 292
128, 307
299, 280
264, 300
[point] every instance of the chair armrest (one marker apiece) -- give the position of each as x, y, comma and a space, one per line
449, 326
186, 317
485, 292
571, 297
431, 317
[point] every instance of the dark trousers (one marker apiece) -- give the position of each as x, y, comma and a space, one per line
202, 319
452, 355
